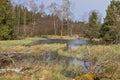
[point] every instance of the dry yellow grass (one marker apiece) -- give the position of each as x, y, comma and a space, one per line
101, 49
12, 49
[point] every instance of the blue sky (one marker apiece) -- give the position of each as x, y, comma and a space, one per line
81, 8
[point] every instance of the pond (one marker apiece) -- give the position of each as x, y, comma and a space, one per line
75, 43
49, 56
69, 43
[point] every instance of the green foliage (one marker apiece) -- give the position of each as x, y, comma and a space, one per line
111, 28
111, 11
5, 32
110, 36
5, 20
93, 19
104, 30
93, 24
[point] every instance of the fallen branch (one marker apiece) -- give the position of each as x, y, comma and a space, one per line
17, 70
20, 70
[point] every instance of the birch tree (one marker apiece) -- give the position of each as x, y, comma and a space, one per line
53, 10
34, 9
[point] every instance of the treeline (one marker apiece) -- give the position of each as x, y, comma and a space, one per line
28, 19
31, 20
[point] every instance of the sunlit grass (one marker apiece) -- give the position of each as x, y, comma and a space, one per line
8, 43
35, 49
11, 76
100, 49
60, 37
55, 46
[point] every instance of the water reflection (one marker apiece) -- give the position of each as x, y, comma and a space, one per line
70, 43
75, 43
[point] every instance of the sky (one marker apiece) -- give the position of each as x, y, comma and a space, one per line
82, 8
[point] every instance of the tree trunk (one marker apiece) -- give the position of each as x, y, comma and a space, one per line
33, 24
19, 13
55, 30
24, 23
71, 32
13, 17
61, 28
68, 28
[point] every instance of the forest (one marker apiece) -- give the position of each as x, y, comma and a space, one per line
20, 20
35, 22
39, 42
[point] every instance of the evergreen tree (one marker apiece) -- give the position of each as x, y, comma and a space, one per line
5, 20
111, 11
93, 23
111, 28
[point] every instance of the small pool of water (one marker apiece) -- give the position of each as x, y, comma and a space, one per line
69, 43
76, 43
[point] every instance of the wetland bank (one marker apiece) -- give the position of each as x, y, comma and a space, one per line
54, 61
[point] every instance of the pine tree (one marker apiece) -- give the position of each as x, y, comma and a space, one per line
110, 18
5, 19
93, 23
111, 28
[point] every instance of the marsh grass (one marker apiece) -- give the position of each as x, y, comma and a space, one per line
9, 43
99, 49
11, 76
50, 71
61, 37
53, 71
